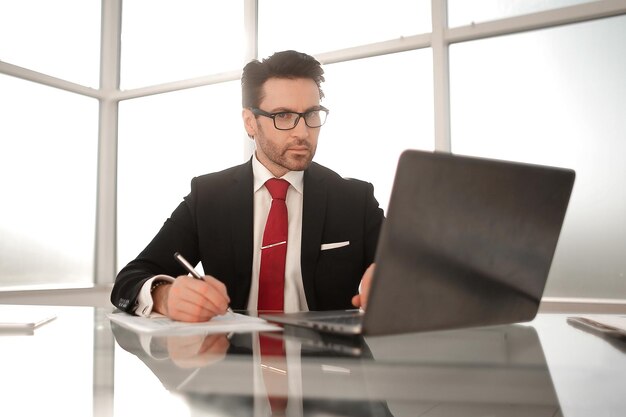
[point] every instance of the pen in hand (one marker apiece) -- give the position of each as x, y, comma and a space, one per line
187, 265
191, 269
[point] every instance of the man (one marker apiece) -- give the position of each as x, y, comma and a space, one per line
331, 226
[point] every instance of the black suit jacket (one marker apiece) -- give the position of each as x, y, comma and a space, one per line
214, 225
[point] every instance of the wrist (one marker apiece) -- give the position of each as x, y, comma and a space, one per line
160, 294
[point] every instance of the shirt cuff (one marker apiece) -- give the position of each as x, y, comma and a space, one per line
145, 303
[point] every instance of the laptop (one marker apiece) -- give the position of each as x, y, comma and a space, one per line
467, 242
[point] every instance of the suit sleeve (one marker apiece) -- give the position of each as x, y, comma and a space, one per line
178, 234
374, 218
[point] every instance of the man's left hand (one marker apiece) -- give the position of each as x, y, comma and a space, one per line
360, 300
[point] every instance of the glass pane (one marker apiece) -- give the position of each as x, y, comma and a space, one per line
464, 12
373, 118
164, 141
166, 40
327, 25
556, 97
51, 371
48, 160
59, 38
139, 392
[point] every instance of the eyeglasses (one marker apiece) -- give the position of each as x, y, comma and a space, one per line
287, 120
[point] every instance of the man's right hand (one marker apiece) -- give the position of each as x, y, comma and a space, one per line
190, 299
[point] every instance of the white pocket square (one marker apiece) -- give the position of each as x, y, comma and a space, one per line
327, 246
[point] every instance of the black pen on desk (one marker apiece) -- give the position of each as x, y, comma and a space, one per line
191, 269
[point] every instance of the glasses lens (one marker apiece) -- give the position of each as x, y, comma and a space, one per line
285, 120
315, 118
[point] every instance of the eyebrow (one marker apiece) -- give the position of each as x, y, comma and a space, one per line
286, 109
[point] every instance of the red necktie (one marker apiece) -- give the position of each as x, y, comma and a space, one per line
274, 370
274, 249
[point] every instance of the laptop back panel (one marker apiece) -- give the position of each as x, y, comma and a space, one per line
467, 242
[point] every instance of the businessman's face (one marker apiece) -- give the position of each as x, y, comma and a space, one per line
284, 150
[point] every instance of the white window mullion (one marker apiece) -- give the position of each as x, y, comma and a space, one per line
44, 79
540, 20
441, 75
105, 262
251, 18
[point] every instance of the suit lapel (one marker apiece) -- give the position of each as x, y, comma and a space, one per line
241, 224
313, 215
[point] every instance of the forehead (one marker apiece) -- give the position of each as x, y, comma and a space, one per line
296, 94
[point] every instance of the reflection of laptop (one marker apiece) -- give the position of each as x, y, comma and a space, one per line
467, 242
486, 371
317, 343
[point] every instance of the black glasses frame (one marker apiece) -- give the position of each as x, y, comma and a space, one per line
258, 112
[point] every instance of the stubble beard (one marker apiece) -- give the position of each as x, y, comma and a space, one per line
298, 162
282, 157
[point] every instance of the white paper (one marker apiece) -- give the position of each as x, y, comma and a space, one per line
229, 322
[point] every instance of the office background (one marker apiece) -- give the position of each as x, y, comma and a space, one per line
108, 109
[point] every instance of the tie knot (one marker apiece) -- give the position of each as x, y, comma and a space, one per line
277, 188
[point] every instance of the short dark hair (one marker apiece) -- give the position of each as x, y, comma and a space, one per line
285, 64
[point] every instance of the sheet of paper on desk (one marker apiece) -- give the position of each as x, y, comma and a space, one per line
229, 322
610, 325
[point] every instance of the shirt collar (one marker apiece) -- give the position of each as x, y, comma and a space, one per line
262, 174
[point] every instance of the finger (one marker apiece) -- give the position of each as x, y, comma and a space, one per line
366, 283
209, 289
356, 301
196, 300
363, 296
186, 305
218, 286
183, 298
216, 294
195, 310
190, 312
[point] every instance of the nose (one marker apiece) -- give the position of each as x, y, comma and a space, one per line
301, 129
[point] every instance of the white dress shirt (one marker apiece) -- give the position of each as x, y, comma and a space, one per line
295, 299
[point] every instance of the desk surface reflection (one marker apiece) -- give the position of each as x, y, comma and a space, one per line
81, 365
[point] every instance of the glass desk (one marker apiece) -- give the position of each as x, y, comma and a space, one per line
82, 365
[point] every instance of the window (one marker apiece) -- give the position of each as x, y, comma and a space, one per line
535, 81
164, 141
59, 38
327, 25
165, 41
556, 97
373, 118
48, 161
464, 12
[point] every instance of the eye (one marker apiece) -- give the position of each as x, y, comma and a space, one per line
312, 114
285, 116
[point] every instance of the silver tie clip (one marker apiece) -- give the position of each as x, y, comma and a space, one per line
274, 244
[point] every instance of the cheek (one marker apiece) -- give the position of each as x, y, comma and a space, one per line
277, 140
314, 140
270, 146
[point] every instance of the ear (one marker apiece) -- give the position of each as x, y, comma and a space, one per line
249, 122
